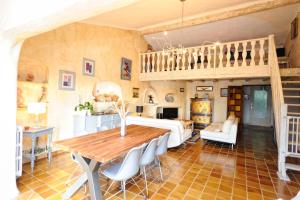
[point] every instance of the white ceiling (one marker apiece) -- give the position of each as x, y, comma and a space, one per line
151, 13
146, 13
276, 21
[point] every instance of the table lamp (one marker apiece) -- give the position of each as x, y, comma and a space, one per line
139, 110
36, 108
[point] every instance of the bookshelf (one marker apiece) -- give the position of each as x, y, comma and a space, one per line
235, 103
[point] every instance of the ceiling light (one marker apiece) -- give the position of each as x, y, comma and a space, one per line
217, 43
168, 47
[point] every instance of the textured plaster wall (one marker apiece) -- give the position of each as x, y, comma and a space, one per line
167, 87
292, 47
64, 49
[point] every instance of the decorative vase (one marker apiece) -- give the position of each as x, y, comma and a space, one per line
123, 127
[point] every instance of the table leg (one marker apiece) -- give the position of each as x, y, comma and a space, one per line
90, 168
75, 187
32, 158
49, 147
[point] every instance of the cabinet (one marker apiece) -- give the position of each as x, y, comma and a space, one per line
83, 124
201, 112
235, 102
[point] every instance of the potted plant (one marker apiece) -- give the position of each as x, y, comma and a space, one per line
86, 106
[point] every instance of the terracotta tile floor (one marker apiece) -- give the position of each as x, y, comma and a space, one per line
196, 171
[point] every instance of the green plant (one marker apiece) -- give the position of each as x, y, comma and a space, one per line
85, 106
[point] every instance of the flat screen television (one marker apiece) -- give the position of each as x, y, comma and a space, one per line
170, 113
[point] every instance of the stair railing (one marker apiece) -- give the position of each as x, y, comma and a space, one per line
280, 108
293, 136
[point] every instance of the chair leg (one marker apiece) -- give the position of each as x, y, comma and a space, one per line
145, 176
124, 189
160, 171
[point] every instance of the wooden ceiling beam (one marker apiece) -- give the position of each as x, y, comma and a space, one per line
220, 15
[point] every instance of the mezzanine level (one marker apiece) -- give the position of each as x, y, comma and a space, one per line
239, 59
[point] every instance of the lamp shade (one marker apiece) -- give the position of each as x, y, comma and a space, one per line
139, 109
36, 107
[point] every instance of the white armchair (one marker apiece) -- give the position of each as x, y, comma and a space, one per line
222, 132
178, 134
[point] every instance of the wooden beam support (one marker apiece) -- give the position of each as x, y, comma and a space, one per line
222, 14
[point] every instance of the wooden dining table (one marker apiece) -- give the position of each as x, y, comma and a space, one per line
94, 149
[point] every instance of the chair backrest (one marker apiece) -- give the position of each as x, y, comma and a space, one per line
149, 153
162, 144
130, 165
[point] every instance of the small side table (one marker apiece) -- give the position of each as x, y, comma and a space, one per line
34, 133
188, 124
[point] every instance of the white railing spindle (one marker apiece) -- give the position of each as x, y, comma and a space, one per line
221, 54
228, 55
195, 55
252, 62
244, 54
209, 57
261, 52
189, 59
236, 54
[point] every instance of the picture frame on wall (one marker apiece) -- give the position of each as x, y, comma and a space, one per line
224, 92
88, 67
126, 66
181, 90
294, 28
204, 88
135, 92
67, 80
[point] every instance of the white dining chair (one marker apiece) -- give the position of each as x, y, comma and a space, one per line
126, 169
162, 148
148, 158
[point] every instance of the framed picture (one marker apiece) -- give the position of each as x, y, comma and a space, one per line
181, 89
88, 67
294, 28
126, 69
67, 80
224, 92
204, 88
135, 92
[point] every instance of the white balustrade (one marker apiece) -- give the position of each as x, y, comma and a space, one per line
230, 57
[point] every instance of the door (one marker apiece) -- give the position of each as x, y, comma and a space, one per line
260, 106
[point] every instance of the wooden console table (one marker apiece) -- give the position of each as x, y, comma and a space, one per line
94, 149
34, 133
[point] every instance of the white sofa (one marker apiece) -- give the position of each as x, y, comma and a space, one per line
222, 132
178, 134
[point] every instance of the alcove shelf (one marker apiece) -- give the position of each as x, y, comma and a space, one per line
150, 91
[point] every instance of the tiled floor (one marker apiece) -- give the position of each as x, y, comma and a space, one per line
196, 171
